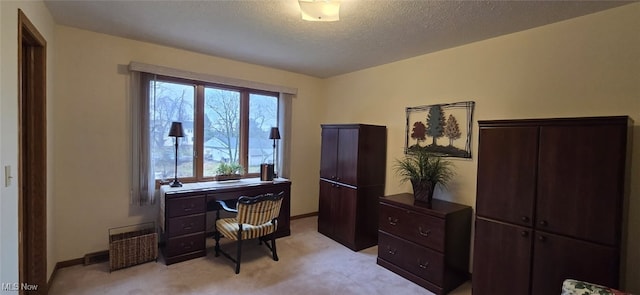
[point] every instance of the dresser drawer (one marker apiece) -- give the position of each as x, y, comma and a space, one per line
416, 227
185, 244
185, 224
421, 261
186, 206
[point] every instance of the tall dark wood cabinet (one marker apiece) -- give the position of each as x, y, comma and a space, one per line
352, 176
549, 204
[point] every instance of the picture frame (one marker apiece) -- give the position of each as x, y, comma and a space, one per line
444, 129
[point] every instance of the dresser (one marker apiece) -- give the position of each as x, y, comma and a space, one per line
550, 201
352, 176
428, 245
183, 212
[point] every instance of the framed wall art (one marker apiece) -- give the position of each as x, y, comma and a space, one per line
444, 129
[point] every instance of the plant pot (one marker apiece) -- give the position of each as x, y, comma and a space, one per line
228, 177
423, 190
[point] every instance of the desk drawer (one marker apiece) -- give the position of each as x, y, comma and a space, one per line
416, 227
185, 244
185, 225
251, 192
186, 206
420, 261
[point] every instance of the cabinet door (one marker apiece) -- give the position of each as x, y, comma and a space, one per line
501, 259
581, 171
348, 156
557, 258
507, 158
344, 213
329, 154
325, 198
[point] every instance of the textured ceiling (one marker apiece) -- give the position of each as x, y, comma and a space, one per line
271, 33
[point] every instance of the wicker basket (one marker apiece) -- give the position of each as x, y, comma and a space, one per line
132, 248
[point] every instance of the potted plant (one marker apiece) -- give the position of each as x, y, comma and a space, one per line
229, 171
424, 169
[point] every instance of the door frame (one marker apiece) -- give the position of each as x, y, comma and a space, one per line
32, 156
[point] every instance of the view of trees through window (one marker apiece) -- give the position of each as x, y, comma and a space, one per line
169, 102
223, 124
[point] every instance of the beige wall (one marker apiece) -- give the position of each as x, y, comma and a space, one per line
588, 66
39, 15
91, 115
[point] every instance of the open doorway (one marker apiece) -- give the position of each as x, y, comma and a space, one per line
32, 156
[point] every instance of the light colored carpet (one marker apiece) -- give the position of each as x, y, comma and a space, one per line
310, 263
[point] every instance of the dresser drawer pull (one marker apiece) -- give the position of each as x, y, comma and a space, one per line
187, 209
393, 221
424, 233
423, 266
186, 247
391, 251
188, 227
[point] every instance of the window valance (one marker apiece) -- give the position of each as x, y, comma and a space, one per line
171, 72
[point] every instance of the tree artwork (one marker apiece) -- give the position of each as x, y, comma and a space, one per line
435, 123
418, 132
452, 129
451, 120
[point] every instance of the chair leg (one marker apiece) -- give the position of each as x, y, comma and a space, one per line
273, 245
216, 236
216, 233
238, 256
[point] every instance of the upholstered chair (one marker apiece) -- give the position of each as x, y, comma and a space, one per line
576, 287
256, 218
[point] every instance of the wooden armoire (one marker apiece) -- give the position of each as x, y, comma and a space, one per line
352, 176
550, 203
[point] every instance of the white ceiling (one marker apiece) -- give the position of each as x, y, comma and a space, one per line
272, 33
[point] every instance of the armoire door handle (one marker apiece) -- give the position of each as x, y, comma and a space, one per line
392, 221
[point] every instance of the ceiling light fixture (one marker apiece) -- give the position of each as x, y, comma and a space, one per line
320, 10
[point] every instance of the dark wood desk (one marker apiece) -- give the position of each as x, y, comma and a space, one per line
183, 212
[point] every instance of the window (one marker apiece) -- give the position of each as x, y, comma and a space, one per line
222, 124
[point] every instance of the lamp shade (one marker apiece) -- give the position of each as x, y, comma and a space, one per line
275, 134
176, 130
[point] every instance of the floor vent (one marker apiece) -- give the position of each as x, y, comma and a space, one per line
96, 257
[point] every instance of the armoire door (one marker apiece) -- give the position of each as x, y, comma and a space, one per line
329, 154
325, 214
501, 258
580, 176
344, 209
507, 159
556, 258
348, 156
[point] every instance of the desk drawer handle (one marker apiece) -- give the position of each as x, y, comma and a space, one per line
393, 221
391, 251
424, 233
423, 266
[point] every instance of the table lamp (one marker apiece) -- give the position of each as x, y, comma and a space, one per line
175, 132
275, 134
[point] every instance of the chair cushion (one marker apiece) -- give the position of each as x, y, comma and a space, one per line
575, 287
229, 228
